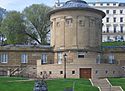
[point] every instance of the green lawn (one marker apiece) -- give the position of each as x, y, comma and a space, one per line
5, 85
116, 43
80, 85
118, 82
8, 84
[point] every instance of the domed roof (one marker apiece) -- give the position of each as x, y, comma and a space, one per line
75, 3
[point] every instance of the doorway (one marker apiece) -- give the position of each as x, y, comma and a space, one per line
85, 72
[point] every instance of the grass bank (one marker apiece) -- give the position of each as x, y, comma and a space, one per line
118, 82
16, 84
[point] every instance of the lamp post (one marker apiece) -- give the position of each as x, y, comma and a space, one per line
65, 65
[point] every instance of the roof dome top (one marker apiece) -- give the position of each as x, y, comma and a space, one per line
78, 1
75, 3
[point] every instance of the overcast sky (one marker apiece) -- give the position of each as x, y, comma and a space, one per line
19, 5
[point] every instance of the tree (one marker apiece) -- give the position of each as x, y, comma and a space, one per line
38, 27
13, 27
2, 14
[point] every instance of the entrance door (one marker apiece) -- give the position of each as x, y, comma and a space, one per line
85, 72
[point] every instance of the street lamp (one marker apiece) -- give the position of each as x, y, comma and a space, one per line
65, 65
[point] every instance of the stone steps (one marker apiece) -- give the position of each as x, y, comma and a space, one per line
105, 85
116, 88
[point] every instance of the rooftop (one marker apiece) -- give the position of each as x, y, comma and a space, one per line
76, 5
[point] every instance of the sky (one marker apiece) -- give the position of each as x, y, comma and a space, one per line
19, 5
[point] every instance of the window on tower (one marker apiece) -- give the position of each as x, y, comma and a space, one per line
81, 23
57, 24
68, 20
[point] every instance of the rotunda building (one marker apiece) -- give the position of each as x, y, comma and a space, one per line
76, 42
76, 29
76, 25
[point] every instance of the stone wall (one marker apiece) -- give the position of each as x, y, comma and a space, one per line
98, 70
14, 59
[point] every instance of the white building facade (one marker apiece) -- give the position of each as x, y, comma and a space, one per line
114, 22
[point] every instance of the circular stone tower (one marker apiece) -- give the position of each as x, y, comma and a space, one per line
76, 30
75, 25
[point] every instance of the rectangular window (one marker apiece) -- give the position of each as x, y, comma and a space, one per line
121, 29
81, 23
111, 58
107, 4
114, 4
121, 19
44, 58
122, 38
114, 29
98, 59
73, 72
107, 19
107, 11
114, 19
68, 21
114, 11
121, 11
107, 29
81, 54
101, 4
60, 58
24, 58
4, 58
61, 72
